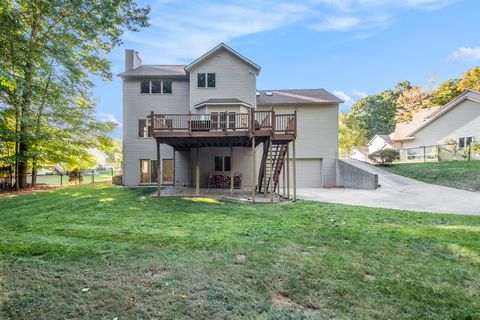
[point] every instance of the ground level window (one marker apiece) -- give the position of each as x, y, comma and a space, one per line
222, 163
148, 171
465, 142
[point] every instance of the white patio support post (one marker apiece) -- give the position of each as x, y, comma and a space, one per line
197, 173
231, 170
159, 182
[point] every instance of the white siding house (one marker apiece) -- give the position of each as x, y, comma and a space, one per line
458, 120
220, 82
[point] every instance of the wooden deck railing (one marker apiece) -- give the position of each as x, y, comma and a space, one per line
266, 121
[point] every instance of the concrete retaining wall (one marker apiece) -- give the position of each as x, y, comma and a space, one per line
354, 174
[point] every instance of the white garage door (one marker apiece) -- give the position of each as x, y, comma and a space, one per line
309, 173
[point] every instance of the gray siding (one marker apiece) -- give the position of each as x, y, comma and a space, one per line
138, 106
461, 121
233, 80
317, 136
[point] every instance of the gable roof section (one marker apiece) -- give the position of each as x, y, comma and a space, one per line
228, 49
296, 96
384, 137
145, 71
221, 102
421, 119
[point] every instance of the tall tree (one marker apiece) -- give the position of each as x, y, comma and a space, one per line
410, 101
470, 80
376, 113
445, 92
351, 135
50, 48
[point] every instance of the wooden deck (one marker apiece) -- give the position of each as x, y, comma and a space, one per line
222, 128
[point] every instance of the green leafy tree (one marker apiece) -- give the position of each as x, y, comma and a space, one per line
446, 92
376, 113
351, 135
49, 49
411, 101
470, 80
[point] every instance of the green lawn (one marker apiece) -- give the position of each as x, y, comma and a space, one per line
99, 252
456, 174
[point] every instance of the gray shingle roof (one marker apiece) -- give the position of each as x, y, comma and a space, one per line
177, 71
296, 96
221, 101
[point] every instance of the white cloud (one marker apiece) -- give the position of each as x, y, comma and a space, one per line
337, 24
183, 30
178, 37
348, 101
107, 117
466, 53
359, 94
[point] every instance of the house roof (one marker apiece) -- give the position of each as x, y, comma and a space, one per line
422, 118
296, 96
384, 137
230, 50
223, 101
145, 71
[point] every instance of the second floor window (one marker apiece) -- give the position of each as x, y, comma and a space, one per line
206, 80
156, 86
144, 128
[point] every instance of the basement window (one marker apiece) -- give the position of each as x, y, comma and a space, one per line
222, 163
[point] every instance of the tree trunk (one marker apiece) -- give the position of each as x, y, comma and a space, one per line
34, 173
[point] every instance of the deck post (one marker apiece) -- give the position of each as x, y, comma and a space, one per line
288, 170
173, 169
254, 164
294, 173
197, 173
231, 169
152, 124
265, 149
283, 179
159, 186
271, 183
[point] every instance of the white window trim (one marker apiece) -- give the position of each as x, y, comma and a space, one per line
150, 87
206, 80
223, 163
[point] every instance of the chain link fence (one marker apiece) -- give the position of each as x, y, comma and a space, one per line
53, 178
444, 152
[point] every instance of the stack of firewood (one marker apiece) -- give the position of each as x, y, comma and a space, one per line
221, 181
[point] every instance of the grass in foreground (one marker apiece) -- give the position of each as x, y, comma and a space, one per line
456, 174
99, 252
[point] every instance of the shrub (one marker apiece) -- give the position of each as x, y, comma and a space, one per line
385, 156
75, 176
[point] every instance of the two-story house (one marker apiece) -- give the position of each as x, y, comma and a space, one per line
209, 120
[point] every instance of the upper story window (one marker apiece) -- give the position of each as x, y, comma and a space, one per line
156, 86
206, 80
464, 142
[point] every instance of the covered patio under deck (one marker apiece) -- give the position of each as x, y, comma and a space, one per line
232, 130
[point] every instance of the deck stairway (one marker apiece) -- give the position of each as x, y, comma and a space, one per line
276, 157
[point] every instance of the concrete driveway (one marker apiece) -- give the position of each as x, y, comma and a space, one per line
399, 192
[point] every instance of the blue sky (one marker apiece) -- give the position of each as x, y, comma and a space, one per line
349, 47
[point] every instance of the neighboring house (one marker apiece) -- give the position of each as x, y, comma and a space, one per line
458, 120
207, 116
359, 153
380, 142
